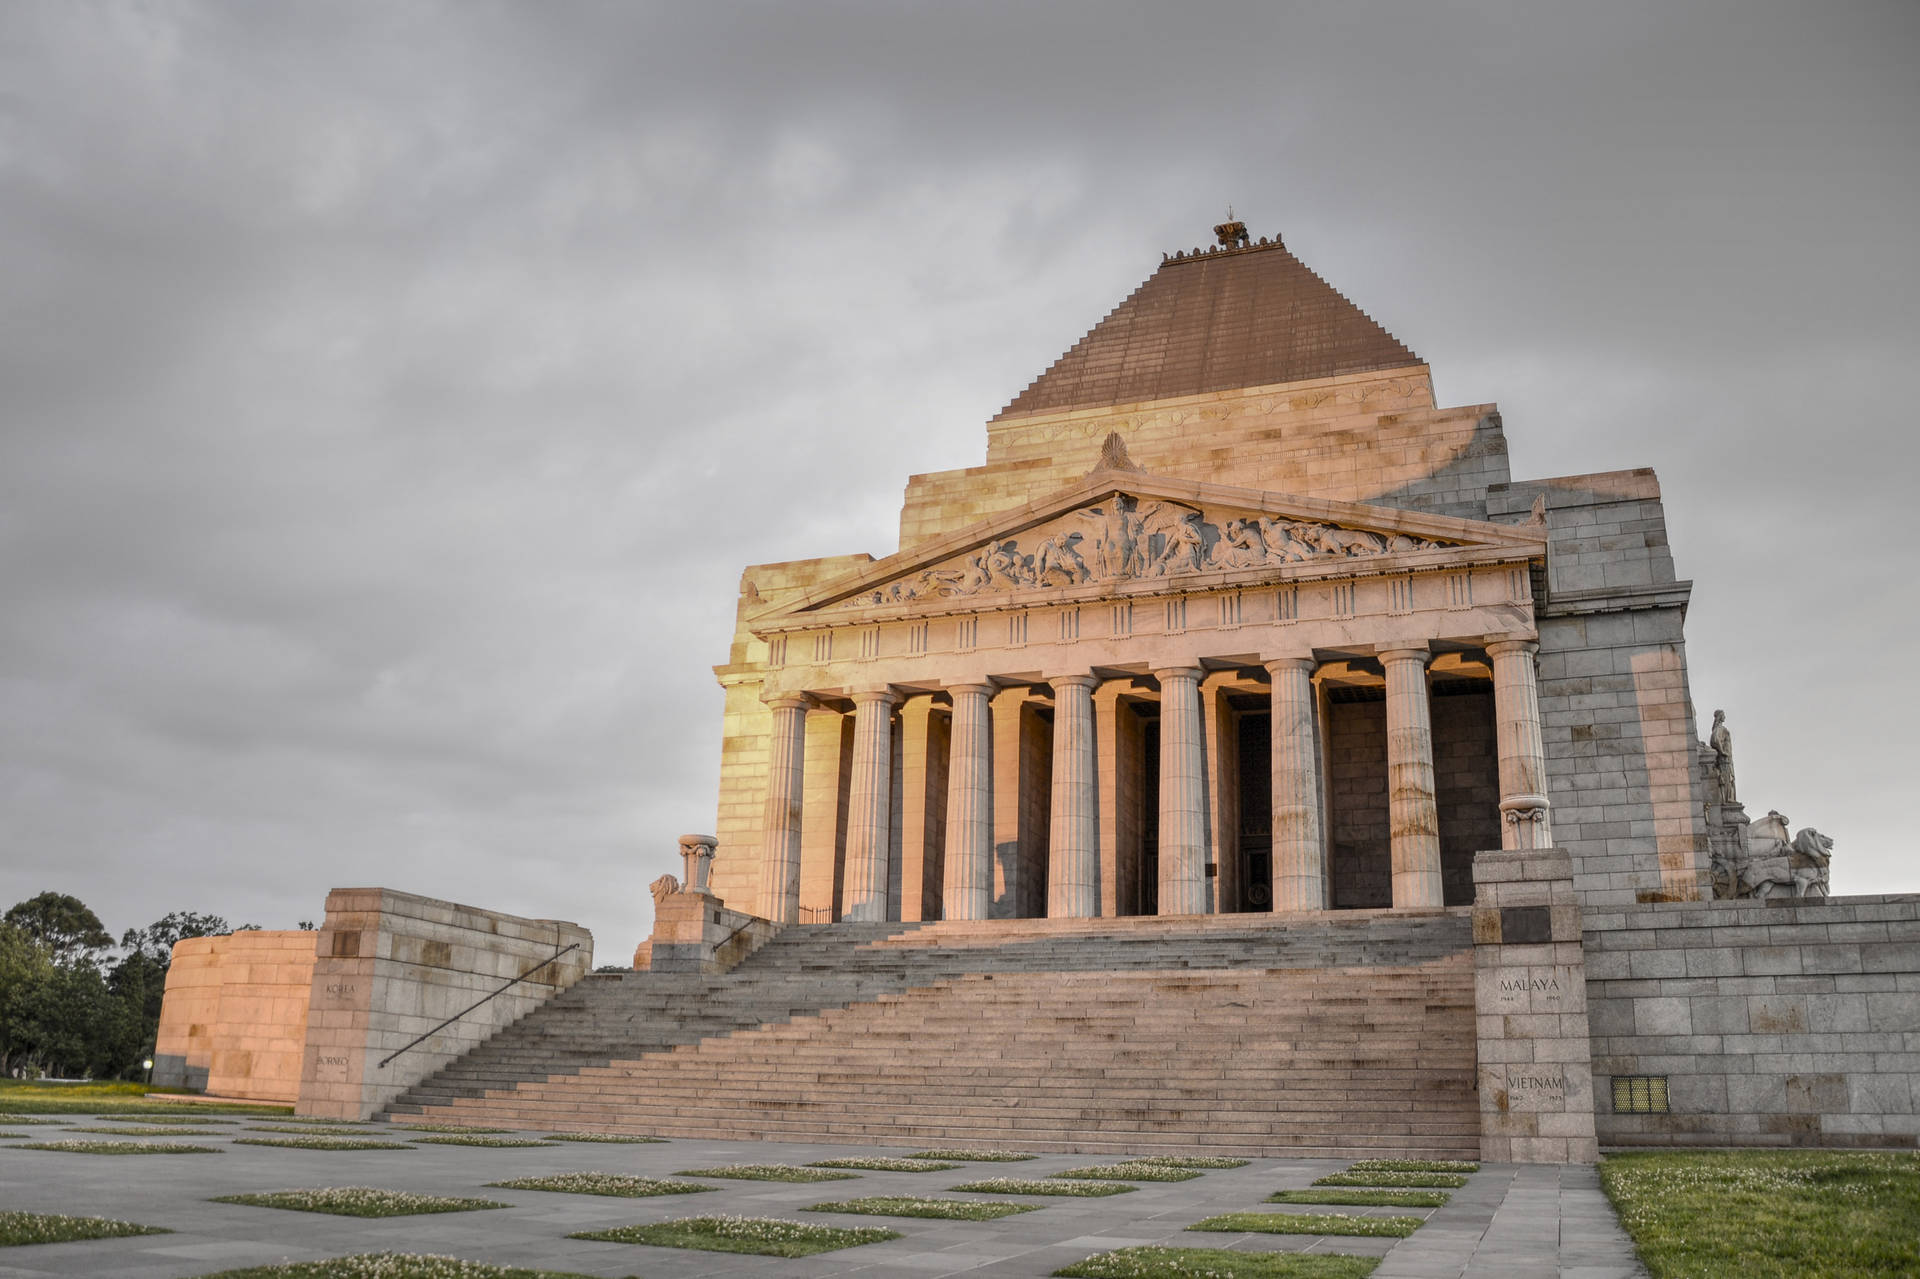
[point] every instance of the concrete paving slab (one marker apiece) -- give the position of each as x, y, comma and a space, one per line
1508, 1221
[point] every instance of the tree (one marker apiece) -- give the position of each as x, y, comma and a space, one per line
62, 924
156, 939
25, 967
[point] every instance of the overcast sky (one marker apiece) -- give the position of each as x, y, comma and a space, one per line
391, 394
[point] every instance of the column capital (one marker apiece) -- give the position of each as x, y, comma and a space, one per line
984, 689
1511, 644
1074, 681
788, 701
882, 696
1406, 653
1275, 665
1179, 672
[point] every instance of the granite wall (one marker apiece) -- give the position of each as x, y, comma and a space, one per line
1773, 1023
233, 1022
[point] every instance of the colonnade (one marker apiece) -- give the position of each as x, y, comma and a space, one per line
1300, 880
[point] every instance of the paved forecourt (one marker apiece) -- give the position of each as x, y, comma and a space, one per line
1508, 1221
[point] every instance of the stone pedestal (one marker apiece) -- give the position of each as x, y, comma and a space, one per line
696, 933
1530, 997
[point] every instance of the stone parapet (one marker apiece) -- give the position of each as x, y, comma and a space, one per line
1530, 1001
392, 966
1784, 1022
696, 933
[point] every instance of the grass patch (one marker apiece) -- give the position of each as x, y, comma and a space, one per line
603, 1183
880, 1163
1715, 1214
1191, 1161
451, 1140
14, 1121
1431, 1180
609, 1137
17, 1228
1023, 1186
358, 1201
1217, 1263
976, 1156
392, 1265
322, 1143
315, 1130
1363, 1198
145, 1130
81, 1146
1131, 1170
768, 1172
761, 1236
100, 1100
447, 1128
939, 1209
1413, 1165
1310, 1223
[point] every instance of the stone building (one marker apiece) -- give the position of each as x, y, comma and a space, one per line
1233, 618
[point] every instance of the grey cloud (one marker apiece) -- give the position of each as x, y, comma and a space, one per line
393, 393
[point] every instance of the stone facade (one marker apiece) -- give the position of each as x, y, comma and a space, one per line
1043, 703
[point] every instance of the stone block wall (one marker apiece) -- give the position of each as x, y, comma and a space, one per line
392, 966
1466, 782
1360, 868
233, 1022
1615, 711
1366, 437
1530, 1003
1773, 1023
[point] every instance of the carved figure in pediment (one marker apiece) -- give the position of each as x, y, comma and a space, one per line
1401, 542
1347, 541
1287, 543
1057, 558
1240, 546
1182, 544
1006, 566
1118, 551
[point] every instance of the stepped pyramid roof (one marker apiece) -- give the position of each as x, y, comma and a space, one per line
1235, 315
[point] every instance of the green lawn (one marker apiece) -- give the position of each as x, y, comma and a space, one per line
938, 1209
768, 1172
18, 1228
22, 1097
603, 1183
1217, 1263
1808, 1214
359, 1201
391, 1265
1309, 1223
761, 1236
1363, 1198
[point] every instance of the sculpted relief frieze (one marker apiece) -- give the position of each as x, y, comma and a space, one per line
1127, 539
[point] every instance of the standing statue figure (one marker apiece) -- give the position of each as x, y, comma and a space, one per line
1722, 742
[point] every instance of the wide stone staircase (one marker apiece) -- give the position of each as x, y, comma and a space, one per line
1330, 1034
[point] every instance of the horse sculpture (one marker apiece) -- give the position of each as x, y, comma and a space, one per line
1778, 865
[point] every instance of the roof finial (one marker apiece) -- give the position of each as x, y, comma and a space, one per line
1232, 234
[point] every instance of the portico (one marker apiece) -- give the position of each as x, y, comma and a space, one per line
1055, 712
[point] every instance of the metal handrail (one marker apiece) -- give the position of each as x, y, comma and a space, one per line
464, 1011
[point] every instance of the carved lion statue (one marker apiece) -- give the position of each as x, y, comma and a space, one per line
664, 887
1778, 866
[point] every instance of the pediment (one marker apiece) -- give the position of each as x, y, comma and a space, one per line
1127, 532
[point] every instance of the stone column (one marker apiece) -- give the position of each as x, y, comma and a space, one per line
780, 827
1073, 832
1413, 814
1183, 819
1523, 759
968, 887
1299, 853
869, 806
